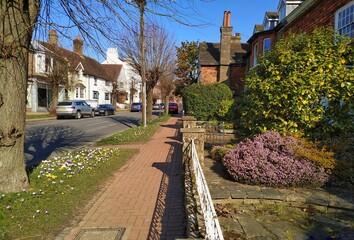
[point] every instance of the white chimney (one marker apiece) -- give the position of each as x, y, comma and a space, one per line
112, 56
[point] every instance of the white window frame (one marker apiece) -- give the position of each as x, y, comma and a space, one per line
255, 55
106, 95
346, 22
79, 93
95, 81
270, 42
95, 94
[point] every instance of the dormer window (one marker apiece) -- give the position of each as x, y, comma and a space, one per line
285, 7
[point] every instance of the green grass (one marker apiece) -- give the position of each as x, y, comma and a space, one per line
59, 188
38, 116
135, 134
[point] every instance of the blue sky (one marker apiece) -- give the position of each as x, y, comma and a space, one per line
244, 15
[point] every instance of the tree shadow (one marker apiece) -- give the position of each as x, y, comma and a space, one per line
169, 220
41, 143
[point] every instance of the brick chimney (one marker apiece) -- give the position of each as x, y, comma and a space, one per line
225, 47
78, 45
236, 38
53, 37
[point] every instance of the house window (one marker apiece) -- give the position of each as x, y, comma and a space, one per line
79, 92
121, 85
40, 63
255, 54
344, 20
108, 83
266, 45
95, 94
95, 81
106, 96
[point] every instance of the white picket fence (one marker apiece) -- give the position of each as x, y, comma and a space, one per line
212, 226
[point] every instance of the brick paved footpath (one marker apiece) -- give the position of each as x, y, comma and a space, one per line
145, 196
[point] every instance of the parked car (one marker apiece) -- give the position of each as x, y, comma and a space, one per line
173, 108
74, 108
156, 106
105, 109
136, 107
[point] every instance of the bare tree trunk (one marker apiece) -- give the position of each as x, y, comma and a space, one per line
16, 28
167, 100
142, 4
149, 102
54, 93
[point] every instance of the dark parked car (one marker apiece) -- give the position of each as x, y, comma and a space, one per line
173, 107
74, 108
105, 109
136, 107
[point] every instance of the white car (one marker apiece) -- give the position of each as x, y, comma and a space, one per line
74, 108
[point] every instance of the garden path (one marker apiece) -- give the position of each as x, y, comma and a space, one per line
252, 212
145, 199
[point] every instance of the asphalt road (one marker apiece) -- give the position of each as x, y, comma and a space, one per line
47, 138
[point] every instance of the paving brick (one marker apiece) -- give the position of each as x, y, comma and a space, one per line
145, 191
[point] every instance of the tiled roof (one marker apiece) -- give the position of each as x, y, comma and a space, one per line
91, 66
112, 70
209, 53
272, 15
258, 28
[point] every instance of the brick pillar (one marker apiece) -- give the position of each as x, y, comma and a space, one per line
198, 134
189, 121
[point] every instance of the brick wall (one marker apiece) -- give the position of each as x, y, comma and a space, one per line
320, 14
237, 77
259, 40
209, 74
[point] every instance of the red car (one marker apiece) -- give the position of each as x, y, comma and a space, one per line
173, 107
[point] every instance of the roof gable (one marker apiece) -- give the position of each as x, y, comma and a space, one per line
89, 66
209, 53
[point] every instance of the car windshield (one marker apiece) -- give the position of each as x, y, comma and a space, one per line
136, 104
64, 103
172, 104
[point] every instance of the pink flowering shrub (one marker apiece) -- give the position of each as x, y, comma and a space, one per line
269, 160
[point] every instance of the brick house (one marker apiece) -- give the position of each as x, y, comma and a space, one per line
302, 16
224, 61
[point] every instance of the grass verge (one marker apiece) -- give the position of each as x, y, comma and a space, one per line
135, 134
59, 188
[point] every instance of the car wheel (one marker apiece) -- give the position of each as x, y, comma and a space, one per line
92, 114
78, 115
106, 113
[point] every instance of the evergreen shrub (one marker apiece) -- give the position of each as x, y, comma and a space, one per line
207, 102
218, 151
269, 160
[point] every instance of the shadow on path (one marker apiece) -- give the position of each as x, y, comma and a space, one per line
169, 220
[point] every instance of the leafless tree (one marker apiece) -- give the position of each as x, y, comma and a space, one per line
160, 56
95, 20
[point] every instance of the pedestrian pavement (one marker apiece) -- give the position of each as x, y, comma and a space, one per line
144, 199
